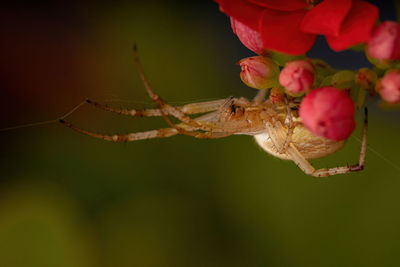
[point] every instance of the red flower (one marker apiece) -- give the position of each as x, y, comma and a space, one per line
290, 26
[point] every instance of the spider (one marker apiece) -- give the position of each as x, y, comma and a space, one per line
276, 127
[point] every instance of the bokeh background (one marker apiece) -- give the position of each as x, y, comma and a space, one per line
70, 200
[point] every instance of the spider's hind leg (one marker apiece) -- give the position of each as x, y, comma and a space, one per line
159, 133
305, 166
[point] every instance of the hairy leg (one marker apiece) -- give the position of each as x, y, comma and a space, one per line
289, 126
160, 133
193, 108
305, 165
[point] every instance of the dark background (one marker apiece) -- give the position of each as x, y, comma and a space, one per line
71, 200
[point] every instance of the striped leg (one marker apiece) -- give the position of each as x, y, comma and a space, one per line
160, 133
193, 108
289, 126
305, 166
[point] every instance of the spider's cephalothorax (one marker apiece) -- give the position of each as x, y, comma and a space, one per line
275, 127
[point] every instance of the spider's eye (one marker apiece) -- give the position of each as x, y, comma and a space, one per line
234, 108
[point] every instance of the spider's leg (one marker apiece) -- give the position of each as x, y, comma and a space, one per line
160, 133
202, 107
193, 108
260, 97
276, 131
305, 166
165, 108
289, 125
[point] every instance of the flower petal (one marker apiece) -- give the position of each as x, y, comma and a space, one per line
285, 5
249, 37
243, 11
280, 31
326, 17
357, 26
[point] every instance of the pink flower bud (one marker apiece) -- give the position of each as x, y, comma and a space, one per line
328, 112
297, 76
384, 42
389, 87
249, 37
259, 72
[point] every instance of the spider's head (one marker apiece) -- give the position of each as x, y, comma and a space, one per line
233, 109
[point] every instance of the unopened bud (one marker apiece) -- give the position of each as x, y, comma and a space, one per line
297, 76
389, 87
259, 72
384, 42
366, 78
328, 112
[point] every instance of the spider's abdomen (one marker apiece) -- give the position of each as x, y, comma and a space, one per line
308, 144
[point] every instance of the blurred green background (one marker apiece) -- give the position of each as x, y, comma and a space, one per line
70, 200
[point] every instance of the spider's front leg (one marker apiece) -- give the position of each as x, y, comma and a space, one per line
159, 133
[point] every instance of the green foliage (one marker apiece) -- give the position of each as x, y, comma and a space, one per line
344, 79
281, 59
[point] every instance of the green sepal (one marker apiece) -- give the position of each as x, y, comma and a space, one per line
281, 59
322, 68
296, 95
357, 94
272, 83
379, 63
358, 48
361, 98
379, 72
327, 81
343, 79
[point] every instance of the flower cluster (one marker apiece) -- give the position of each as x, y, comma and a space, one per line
257, 23
281, 32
